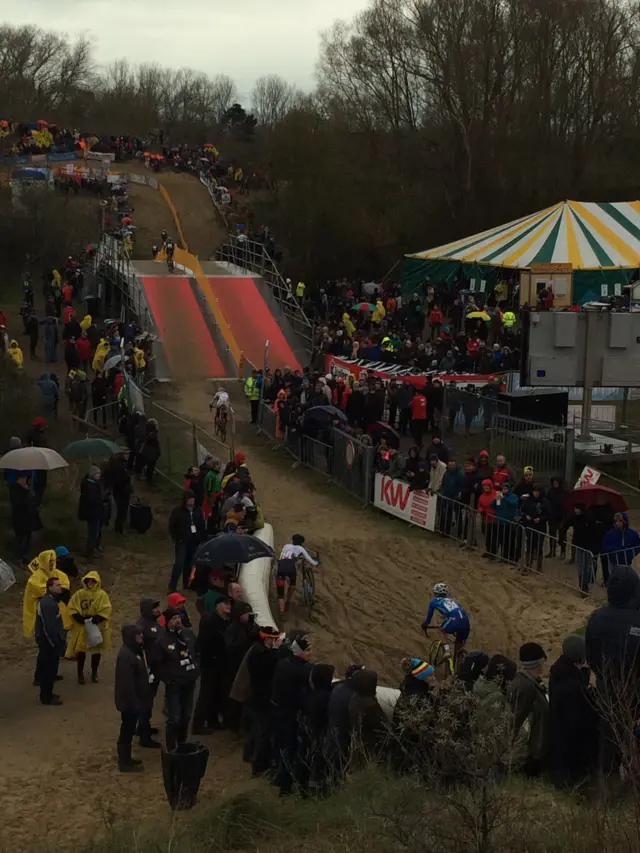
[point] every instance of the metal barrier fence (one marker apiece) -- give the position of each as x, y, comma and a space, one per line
470, 411
518, 544
347, 461
548, 448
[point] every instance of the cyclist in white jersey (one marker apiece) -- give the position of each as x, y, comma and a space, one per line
287, 569
220, 400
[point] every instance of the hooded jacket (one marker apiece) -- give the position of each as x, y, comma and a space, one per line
452, 483
15, 353
486, 502
536, 512
622, 545
148, 621
526, 695
50, 633
573, 724
506, 507
42, 568
175, 657
613, 631
556, 496
85, 604
367, 719
132, 689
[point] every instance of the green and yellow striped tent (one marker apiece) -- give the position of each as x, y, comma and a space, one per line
601, 240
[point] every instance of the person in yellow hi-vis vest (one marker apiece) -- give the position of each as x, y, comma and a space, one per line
508, 319
252, 388
300, 288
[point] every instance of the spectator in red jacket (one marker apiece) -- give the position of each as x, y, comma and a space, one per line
67, 294
502, 473
83, 345
418, 406
488, 514
435, 321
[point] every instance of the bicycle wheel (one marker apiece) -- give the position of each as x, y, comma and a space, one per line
308, 590
436, 653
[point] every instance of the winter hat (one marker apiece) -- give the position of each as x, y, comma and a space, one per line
528, 469
269, 633
531, 655
483, 453
93, 470
15, 443
574, 648
176, 600
39, 422
61, 551
418, 668
168, 614
351, 669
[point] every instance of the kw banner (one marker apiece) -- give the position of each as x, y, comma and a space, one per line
396, 498
345, 367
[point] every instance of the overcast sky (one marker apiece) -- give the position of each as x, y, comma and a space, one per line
242, 38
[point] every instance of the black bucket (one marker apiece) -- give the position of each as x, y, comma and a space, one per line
182, 772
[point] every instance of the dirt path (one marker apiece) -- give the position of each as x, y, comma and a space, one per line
59, 769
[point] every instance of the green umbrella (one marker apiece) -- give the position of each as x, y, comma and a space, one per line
90, 447
363, 306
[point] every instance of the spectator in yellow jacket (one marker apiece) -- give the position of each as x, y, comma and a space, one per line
379, 314
90, 608
16, 353
86, 321
348, 325
43, 567
101, 353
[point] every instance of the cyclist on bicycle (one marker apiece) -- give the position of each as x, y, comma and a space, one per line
287, 569
455, 620
169, 247
220, 400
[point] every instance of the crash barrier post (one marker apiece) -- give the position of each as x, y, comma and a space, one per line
468, 411
519, 543
348, 462
548, 448
107, 416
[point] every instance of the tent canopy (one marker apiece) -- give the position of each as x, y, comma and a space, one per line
588, 235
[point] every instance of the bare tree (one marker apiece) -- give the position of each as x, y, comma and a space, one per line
272, 99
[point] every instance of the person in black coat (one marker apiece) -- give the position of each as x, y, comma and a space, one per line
573, 720
311, 774
117, 480
187, 529
214, 681
556, 495
290, 679
535, 512
25, 517
338, 738
613, 654
91, 509
71, 355
261, 660
132, 693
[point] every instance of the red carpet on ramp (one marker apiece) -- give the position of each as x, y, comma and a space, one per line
188, 346
252, 322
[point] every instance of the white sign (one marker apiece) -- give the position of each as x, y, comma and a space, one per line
483, 285
589, 477
617, 289
604, 290
396, 498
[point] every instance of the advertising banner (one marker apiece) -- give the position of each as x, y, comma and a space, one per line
345, 367
395, 497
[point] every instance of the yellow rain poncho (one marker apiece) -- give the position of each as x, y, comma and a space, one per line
42, 568
86, 321
379, 313
16, 353
57, 278
138, 355
89, 602
346, 322
101, 353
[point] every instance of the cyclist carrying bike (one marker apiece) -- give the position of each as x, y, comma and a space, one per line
454, 619
287, 569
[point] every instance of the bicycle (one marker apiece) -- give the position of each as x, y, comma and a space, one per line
438, 656
220, 424
308, 583
170, 264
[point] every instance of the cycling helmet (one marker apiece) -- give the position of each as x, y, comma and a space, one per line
441, 589
297, 539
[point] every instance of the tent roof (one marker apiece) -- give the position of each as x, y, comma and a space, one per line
588, 235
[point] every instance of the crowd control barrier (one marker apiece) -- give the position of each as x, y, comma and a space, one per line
255, 578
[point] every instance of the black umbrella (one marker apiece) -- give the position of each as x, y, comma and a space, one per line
380, 429
324, 414
231, 548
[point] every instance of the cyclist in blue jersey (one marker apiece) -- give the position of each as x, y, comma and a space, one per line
454, 619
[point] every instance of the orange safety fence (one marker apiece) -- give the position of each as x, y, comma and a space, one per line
174, 213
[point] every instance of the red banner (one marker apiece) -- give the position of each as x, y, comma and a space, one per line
346, 367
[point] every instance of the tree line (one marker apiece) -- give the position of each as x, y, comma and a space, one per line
431, 119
